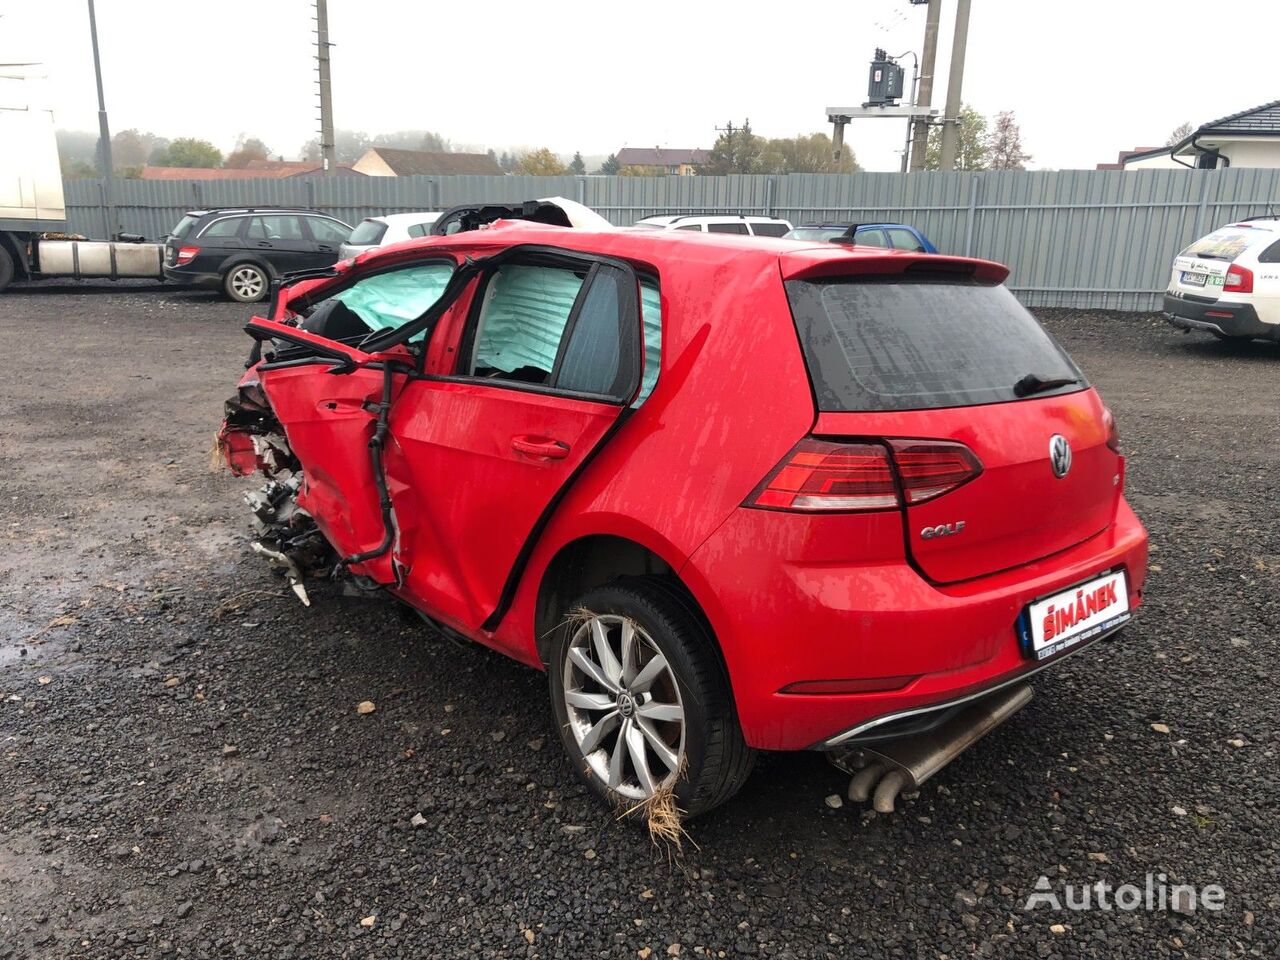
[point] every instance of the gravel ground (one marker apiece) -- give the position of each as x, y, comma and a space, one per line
184, 772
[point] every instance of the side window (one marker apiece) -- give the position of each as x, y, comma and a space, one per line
324, 230
651, 314
276, 227
1271, 254
549, 326
416, 230
738, 227
769, 229
904, 240
228, 227
691, 226
870, 238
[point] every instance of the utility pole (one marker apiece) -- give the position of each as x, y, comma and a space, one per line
328, 149
951, 120
104, 131
920, 139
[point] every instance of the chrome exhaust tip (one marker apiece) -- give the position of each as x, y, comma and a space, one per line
885, 770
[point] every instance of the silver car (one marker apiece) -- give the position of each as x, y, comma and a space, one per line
374, 232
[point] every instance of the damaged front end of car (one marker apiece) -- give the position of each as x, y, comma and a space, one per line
251, 440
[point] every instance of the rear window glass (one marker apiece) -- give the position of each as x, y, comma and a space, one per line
184, 227
727, 228
817, 233
769, 229
367, 232
1225, 244
919, 345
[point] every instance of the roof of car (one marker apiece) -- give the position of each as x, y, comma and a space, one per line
422, 216
675, 218
794, 258
222, 211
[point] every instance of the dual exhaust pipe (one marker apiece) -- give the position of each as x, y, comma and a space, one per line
884, 771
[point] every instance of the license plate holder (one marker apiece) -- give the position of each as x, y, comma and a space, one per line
1062, 620
1194, 279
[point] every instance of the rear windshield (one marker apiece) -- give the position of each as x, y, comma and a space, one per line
873, 344
367, 232
184, 227
817, 233
1226, 244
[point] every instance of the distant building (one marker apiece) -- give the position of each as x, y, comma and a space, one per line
668, 160
1250, 138
394, 162
256, 170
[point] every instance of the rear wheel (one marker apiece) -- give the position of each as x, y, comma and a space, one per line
246, 282
6, 267
642, 701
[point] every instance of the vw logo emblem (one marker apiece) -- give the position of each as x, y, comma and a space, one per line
1059, 455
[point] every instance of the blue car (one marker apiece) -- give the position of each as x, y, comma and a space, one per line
898, 236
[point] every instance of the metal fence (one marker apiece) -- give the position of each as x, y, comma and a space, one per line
1098, 239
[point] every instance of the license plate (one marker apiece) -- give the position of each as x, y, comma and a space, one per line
1193, 279
1055, 623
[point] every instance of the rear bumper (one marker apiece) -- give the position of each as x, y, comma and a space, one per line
1217, 316
194, 278
781, 623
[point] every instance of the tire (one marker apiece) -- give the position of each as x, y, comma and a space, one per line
246, 282
6, 267
711, 759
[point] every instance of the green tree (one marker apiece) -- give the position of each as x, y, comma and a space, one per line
805, 153
73, 168
736, 150
577, 165
133, 148
507, 162
971, 146
247, 150
190, 152
610, 166
540, 163
640, 170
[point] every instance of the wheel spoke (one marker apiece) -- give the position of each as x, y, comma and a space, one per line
644, 679
628, 652
619, 754
660, 711
635, 746
604, 653
590, 701
603, 727
660, 746
591, 668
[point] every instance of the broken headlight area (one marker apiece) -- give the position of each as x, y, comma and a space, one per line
252, 441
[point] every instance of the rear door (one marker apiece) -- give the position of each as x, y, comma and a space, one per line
938, 359
327, 237
281, 240
547, 361
1201, 269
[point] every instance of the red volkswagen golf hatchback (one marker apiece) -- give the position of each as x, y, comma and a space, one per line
731, 494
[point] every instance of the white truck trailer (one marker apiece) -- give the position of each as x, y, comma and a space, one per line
33, 216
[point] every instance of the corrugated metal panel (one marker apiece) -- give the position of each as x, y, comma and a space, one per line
1097, 239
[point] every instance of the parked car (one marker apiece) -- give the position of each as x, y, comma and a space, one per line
858, 530
239, 250
373, 232
553, 211
719, 223
1228, 283
898, 236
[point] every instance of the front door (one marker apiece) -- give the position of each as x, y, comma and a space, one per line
548, 360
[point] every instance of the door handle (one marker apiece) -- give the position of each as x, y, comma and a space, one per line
540, 448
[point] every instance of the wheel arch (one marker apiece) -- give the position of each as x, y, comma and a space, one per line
593, 560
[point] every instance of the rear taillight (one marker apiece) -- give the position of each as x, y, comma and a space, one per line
1239, 280
929, 468
822, 476
1113, 432
187, 254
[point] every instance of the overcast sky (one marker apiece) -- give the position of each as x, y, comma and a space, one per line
1086, 78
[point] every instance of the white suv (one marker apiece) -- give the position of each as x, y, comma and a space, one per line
720, 223
1228, 283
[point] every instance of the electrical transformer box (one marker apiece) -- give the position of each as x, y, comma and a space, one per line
884, 87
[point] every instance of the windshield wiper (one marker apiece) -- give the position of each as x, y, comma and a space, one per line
1032, 383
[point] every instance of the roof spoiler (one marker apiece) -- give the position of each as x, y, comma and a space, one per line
804, 266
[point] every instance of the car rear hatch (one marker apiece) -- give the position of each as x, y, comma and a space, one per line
922, 361
1205, 269
173, 242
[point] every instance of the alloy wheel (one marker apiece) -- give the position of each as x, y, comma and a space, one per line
623, 705
247, 283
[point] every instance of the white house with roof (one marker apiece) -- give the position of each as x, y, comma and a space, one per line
1250, 138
